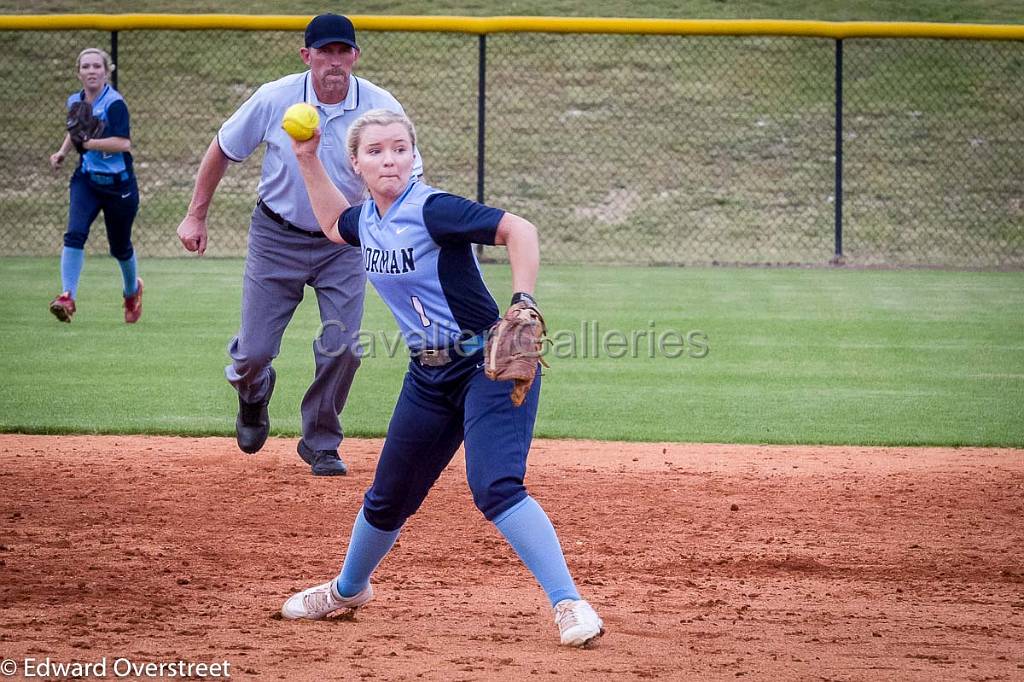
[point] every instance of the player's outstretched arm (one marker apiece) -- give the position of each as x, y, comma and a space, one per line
192, 230
520, 238
327, 200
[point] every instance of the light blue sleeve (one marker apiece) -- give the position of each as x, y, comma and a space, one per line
247, 128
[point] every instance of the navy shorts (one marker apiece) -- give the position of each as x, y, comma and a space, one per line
438, 409
117, 197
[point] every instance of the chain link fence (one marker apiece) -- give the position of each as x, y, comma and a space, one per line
934, 152
625, 149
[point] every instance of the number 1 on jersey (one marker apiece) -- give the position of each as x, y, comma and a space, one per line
418, 307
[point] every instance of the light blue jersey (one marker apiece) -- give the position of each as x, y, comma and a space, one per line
258, 121
112, 110
419, 257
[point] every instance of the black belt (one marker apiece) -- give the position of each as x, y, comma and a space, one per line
269, 212
439, 357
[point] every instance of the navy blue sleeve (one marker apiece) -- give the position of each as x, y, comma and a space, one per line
454, 219
348, 225
117, 120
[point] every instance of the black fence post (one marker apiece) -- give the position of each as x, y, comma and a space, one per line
481, 121
837, 258
113, 58
481, 116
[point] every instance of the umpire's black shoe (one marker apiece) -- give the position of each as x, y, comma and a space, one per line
322, 462
252, 426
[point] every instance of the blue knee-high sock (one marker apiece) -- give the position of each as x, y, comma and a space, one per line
366, 549
71, 263
528, 529
129, 272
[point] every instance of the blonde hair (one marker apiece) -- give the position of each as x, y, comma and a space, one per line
95, 50
377, 117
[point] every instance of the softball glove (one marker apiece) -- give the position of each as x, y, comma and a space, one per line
514, 348
82, 125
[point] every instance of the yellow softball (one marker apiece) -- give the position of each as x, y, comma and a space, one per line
300, 121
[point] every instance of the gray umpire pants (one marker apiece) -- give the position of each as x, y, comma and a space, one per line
279, 265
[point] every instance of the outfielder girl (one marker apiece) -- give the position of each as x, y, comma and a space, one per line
416, 243
103, 180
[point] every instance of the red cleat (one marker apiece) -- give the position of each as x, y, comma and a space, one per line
63, 307
132, 305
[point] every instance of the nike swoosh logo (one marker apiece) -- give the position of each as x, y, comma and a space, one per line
401, 229
125, 196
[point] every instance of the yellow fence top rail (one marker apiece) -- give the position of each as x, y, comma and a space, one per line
485, 25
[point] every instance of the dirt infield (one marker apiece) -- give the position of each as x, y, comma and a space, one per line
705, 561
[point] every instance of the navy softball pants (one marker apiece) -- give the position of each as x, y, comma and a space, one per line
119, 203
438, 409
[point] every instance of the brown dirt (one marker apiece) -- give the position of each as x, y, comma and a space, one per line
709, 561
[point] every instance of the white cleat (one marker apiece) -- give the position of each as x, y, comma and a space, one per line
318, 602
578, 623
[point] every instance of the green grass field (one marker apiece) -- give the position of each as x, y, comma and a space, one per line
795, 355
736, 161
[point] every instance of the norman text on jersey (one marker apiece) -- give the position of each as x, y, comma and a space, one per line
389, 262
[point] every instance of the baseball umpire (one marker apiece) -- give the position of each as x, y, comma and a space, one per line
417, 249
98, 128
287, 250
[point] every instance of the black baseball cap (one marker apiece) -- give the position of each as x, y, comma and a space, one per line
330, 28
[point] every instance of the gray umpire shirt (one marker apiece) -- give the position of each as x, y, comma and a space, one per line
259, 120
